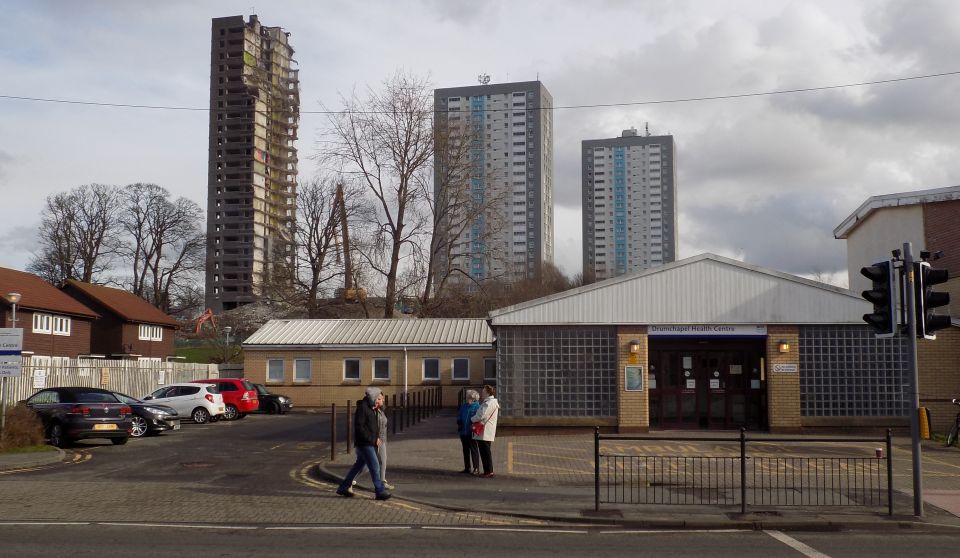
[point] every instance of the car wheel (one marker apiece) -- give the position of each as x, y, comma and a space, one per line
119, 441
231, 413
273, 408
56, 436
200, 415
139, 426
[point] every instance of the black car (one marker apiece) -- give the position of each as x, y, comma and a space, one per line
272, 403
75, 413
150, 419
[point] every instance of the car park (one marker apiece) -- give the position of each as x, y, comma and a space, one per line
149, 418
273, 403
239, 396
201, 402
76, 413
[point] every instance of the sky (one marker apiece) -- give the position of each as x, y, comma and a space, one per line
763, 179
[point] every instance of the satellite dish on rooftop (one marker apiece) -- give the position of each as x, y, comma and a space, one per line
483, 78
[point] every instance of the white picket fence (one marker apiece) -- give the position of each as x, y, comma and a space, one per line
132, 377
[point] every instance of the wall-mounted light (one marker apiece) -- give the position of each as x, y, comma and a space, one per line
784, 346
634, 347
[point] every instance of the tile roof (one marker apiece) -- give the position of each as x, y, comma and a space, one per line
37, 294
403, 331
123, 304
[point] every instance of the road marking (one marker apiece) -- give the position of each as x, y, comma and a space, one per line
672, 531
340, 528
509, 457
43, 523
508, 529
796, 545
179, 526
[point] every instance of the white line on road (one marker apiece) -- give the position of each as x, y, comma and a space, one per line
796, 545
507, 529
672, 531
43, 523
339, 527
178, 525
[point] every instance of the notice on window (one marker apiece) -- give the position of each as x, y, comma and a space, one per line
633, 378
714, 383
736, 369
652, 381
691, 384
687, 362
754, 384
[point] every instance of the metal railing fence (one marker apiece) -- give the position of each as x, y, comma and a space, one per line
745, 480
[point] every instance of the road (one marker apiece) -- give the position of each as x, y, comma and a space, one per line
106, 541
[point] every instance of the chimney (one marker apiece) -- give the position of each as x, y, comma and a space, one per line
632, 132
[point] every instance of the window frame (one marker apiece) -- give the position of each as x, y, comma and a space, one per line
423, 370
296, 371
45, 321
453, 369
271, 380
147, 332
373, 369
60, 325
359, 377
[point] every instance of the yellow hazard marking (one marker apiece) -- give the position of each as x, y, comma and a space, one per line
509, 457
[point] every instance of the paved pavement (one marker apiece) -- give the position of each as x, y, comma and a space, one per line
551, 478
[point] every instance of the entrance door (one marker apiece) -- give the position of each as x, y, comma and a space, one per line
706, 383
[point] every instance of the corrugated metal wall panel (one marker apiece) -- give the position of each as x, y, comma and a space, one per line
372, 332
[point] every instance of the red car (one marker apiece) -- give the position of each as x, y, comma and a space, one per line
239, 396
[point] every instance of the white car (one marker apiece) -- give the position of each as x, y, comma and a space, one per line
201, 402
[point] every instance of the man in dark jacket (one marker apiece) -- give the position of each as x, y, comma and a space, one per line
366, 430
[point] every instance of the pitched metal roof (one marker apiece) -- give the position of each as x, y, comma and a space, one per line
124, 304
395, 332
901, 199
704, 289
37, 294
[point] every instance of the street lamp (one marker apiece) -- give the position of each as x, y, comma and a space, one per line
14, 298
226, 351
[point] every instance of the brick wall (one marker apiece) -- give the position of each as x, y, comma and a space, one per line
783, 388
633, 407
938, 364
942, 233
327, 385
47, 344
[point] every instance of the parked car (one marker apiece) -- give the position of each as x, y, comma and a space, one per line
202, 403
239, 396
76, 413
150, 419
273, 403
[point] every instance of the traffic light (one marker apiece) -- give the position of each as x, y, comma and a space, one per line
883, 297
924, 278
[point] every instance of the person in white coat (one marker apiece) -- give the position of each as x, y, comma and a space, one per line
485, 428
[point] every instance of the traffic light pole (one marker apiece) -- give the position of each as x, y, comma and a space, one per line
911, 302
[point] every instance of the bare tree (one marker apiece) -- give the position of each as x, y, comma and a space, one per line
78, 234
385, 141
165, 244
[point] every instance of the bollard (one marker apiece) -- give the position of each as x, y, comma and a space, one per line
743, 470
333, 431
393, 420
349, 428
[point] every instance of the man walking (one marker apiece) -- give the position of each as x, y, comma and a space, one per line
366, 439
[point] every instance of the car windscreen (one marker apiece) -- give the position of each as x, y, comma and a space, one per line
94, 397
262, 389
247, 385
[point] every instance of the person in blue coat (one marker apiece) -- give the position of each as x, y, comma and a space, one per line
471, 451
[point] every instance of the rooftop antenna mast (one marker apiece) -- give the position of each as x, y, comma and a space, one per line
647, 129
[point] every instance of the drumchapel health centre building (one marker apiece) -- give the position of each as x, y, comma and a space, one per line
702, 343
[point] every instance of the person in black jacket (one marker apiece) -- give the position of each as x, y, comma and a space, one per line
366, 439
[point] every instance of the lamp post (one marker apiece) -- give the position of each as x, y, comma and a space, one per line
14, 298
226, 351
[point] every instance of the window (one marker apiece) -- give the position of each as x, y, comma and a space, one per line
301, 370
489, 370
42, 323
150, 333
351, 369
381, 369
461, 369
275, 370
61, 325
431, 369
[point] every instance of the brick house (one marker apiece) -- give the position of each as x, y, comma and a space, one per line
55, 325
318, 362
129, 327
